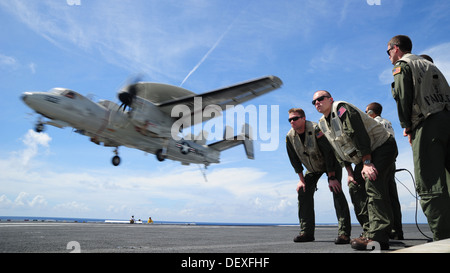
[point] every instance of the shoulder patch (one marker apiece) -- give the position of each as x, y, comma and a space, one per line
341, 111
319, 134
396, 70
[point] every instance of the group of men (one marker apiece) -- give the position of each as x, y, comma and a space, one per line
364, 144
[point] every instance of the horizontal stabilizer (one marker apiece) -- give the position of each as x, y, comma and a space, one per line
230, 142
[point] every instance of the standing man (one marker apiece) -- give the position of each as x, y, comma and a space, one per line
356, 138
306, 145
423, 104
374, 110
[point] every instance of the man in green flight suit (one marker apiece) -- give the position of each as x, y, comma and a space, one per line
307, 146
423, 104
358, 139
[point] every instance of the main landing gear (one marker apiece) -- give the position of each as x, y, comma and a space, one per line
161, 155
116, 158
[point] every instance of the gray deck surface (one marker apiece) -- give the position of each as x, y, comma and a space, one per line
48, 237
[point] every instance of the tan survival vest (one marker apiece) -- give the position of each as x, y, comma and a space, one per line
308, 152
431, 90
342, 144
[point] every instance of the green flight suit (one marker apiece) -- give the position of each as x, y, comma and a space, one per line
371, 199
431, 153
306, 212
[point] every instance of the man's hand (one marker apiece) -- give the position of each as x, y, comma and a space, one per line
369, 171
301, 185
407, 132
334, 185
350, 177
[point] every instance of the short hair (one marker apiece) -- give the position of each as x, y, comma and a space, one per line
375, 107
328, 93
403, 42
298, 111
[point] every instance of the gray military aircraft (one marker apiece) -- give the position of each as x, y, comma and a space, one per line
147, 125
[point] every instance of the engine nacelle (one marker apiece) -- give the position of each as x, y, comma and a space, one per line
147, 117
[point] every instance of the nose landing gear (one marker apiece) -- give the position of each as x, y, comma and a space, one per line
39, 127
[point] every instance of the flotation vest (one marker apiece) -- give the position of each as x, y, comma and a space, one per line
308, 152
387, 125
431, 89
342, 143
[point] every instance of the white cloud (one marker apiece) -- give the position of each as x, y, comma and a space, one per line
38, 201
325, 60
386, 77
230, 194
115, 31
145, 37
20, 199
33, 141
282, 205
70, 207
32, 67
441, 57
8, 61
23, 200
11, 63
5, 203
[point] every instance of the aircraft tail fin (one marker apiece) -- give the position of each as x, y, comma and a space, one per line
231, 141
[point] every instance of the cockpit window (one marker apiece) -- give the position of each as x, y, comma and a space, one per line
69, 94
64, 92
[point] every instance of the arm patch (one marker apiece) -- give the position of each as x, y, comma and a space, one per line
341, 111
396, 70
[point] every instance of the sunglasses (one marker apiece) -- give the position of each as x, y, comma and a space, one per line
319, 99
389, 51
294, 119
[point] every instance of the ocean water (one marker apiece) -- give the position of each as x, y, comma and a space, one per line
144, 221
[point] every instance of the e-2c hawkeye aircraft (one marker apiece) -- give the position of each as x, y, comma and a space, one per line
147, 125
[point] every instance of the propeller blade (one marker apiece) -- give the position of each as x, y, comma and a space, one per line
129, 93
126, 98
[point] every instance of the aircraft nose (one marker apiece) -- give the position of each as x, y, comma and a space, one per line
25, 96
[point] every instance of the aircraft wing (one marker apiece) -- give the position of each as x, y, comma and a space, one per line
231, 95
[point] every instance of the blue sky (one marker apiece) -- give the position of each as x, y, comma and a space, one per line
95, 47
